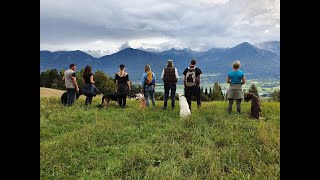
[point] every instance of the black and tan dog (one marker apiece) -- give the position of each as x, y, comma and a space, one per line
64, 97
255, 105
107, 98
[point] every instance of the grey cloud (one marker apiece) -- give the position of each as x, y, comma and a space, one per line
191, 24
124, 46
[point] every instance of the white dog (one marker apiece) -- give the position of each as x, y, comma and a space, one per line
184, 106
139, 96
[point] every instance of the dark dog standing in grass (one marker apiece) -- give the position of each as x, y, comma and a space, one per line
64, 97
107, 98
255, 105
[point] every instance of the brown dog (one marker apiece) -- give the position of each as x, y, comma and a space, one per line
255, 105
142, 103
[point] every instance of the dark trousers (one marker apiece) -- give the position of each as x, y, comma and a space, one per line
122, 100
167, 88
238, 101
71, 96
192, 91
88, 100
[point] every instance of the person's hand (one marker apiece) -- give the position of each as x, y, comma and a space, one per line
77, 89
129, 88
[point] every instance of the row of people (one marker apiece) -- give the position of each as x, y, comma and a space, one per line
191, 78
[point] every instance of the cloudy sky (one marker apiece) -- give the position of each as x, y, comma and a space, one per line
111, 25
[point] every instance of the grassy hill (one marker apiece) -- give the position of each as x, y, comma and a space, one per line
48, 92
83, 142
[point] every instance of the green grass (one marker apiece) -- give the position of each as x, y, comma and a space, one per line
82, 142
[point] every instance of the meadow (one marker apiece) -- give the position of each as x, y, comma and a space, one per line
85, 142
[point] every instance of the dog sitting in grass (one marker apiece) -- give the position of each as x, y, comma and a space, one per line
107, 98
142, 100
64, 97
142, 103
255, 105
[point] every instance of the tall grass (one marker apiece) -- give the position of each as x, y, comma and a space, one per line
85, 142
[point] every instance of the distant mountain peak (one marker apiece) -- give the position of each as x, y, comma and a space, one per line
245, 44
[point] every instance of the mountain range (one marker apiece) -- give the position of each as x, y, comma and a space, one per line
260, 61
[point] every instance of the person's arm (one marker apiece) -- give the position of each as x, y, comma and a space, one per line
184, 76
228, 79
198, 79
162, 74
116, 78
142, 83
74, 81
243, 80
128, 82
176, 73
91, 79
63, 78
155, 80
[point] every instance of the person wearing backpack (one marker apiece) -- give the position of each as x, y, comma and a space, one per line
148, 85
170, 78
191, 81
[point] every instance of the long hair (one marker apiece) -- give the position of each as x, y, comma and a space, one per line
87, 70
147, 68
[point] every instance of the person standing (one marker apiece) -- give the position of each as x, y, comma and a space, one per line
170, 78
236, 79
148, 84
123, 84
88, 89
71, 84
192, 79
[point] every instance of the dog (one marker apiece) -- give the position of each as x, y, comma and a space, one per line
64, 97
139, 96
255, 105
142, 100
142, 103
184, 106
107, 98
